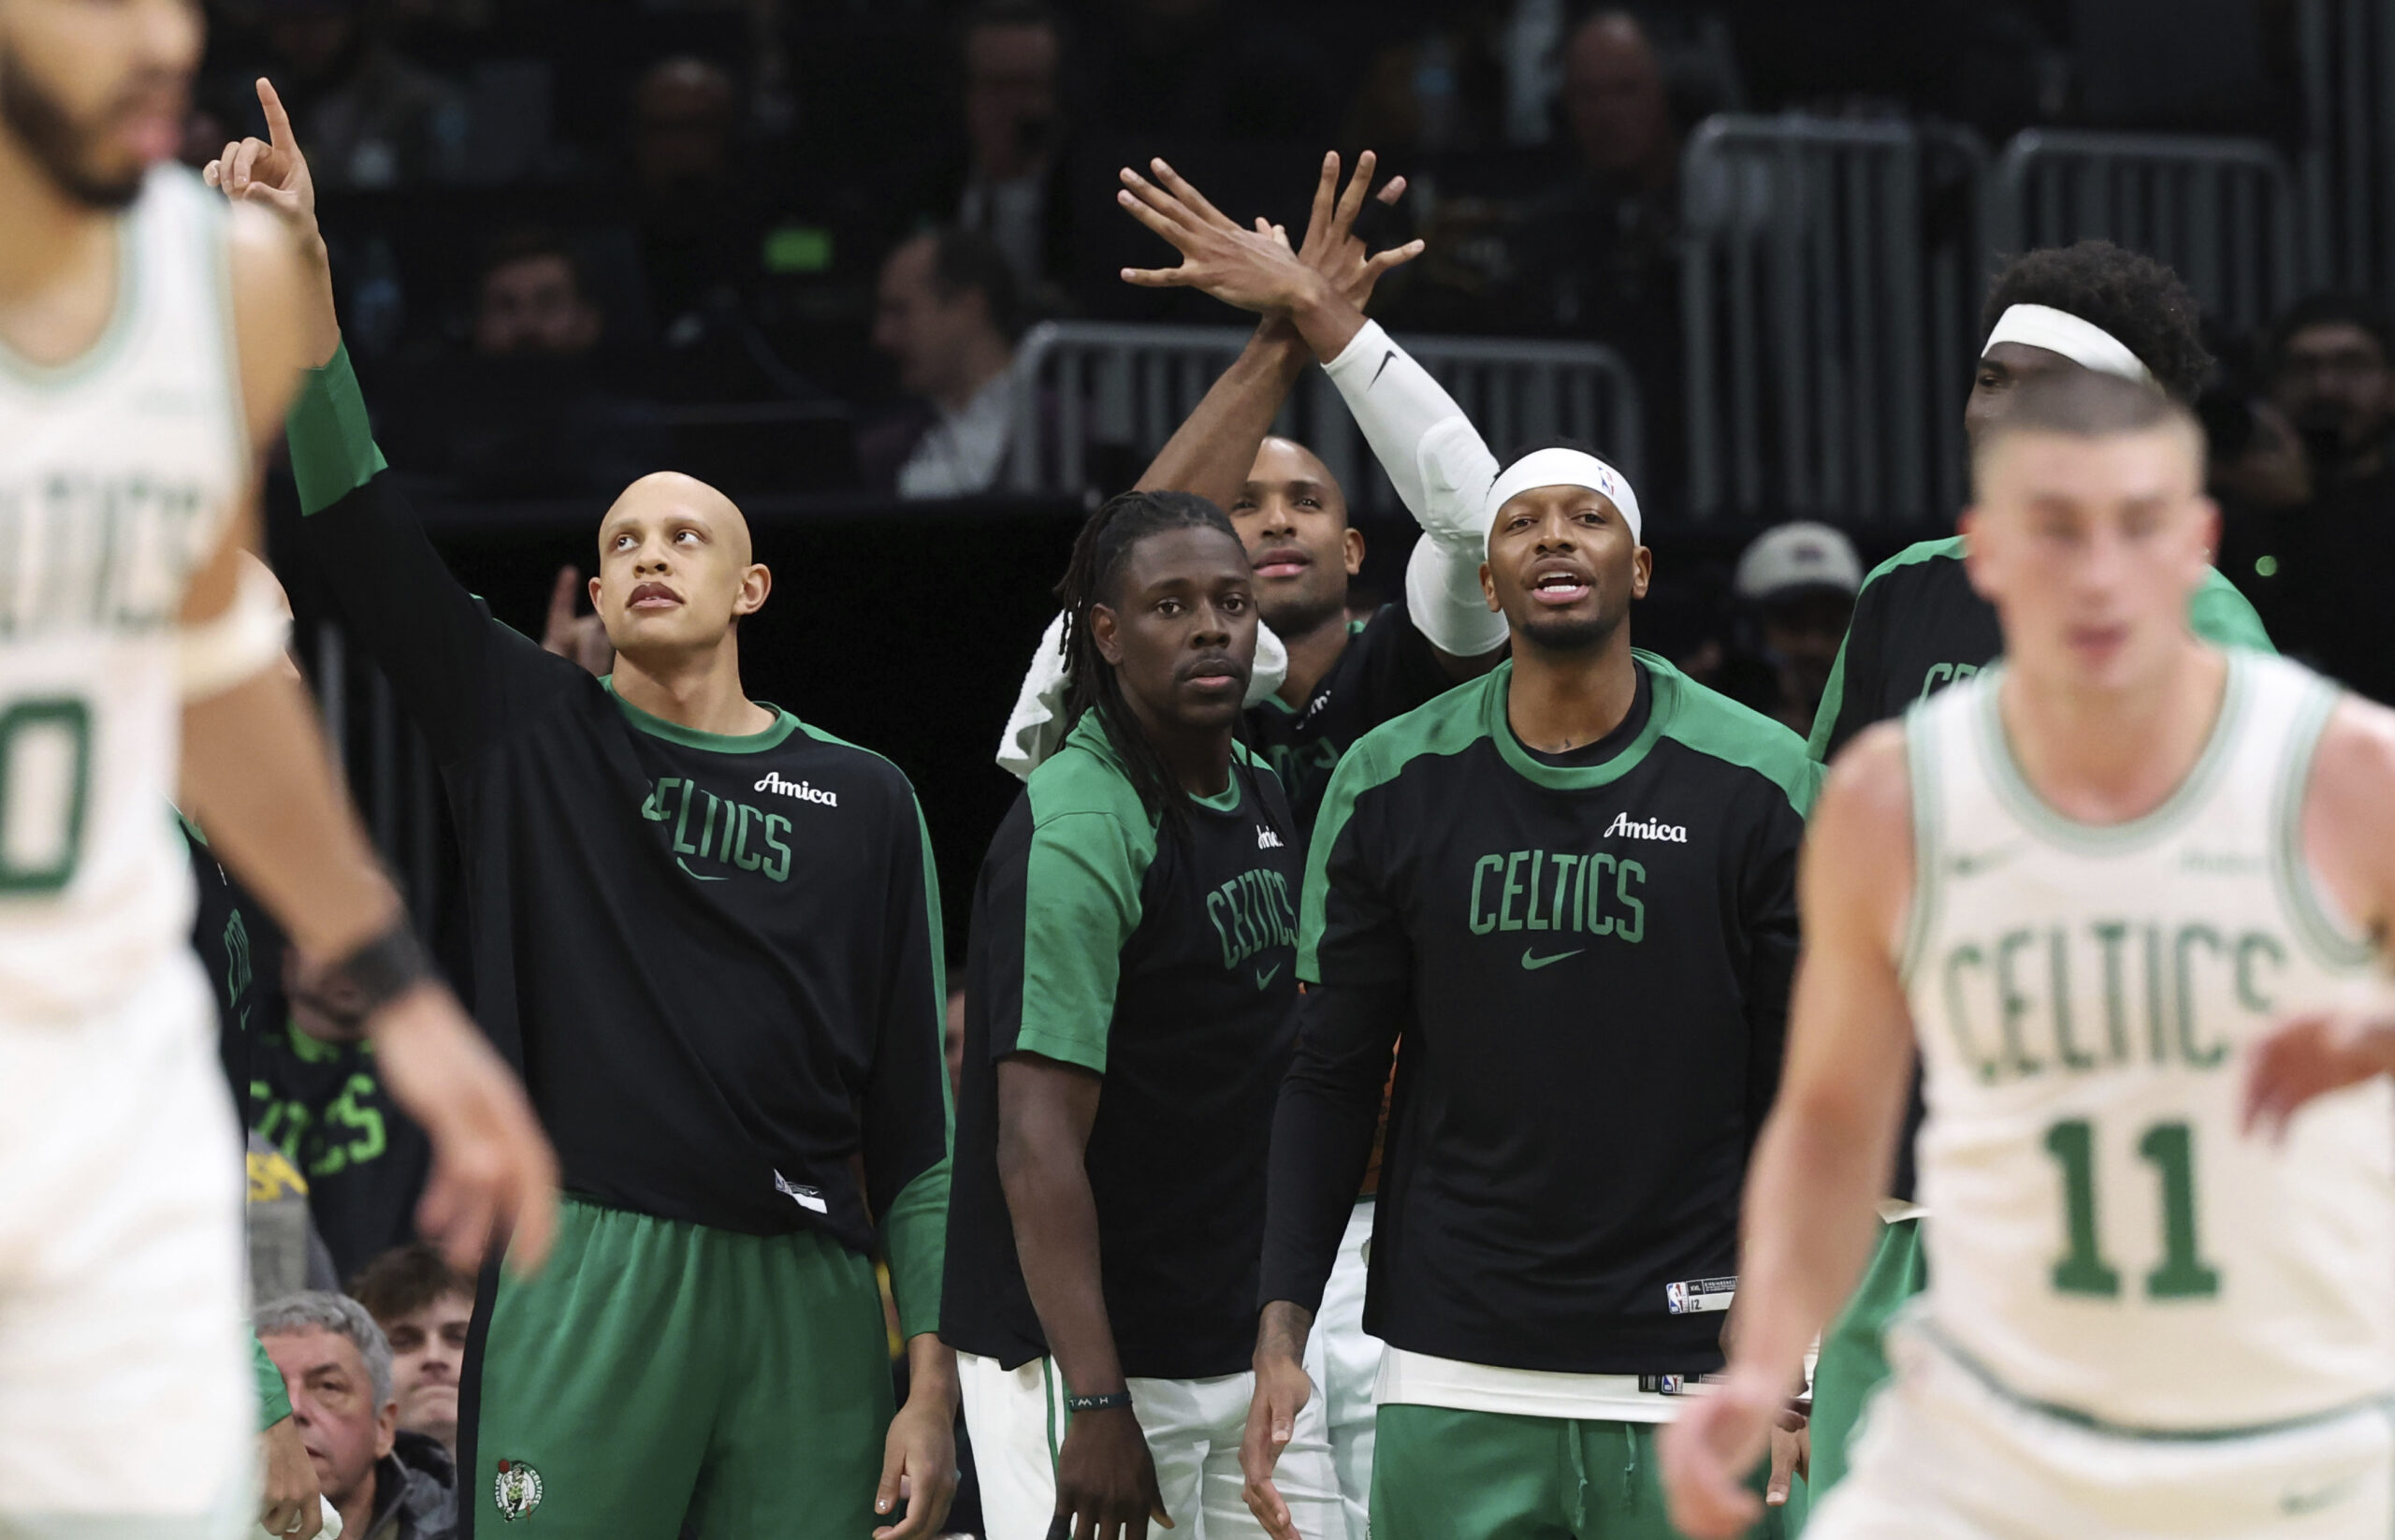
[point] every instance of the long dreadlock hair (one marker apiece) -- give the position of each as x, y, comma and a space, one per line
1094, 576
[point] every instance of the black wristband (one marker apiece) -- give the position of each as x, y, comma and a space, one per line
1098, 1403
383, 970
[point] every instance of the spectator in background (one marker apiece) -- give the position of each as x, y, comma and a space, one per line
386, 1484
1596, 256
1796, 585
370, 118
535, 410
425, 1307
2330, 374
533, 298
1008, 184
701, 224
946, 313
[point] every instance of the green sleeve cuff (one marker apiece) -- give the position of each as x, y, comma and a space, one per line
333, 445
275, 1403
914, 1237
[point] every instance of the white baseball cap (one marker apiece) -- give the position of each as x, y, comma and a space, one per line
1798, 556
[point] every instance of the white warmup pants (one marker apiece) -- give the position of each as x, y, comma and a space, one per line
1941, 1455
127, 1405
1193, 1426
1344, 1362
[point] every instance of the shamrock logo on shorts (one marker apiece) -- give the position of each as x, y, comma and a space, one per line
517, 1490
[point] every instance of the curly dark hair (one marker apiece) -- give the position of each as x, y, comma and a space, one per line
2128, 293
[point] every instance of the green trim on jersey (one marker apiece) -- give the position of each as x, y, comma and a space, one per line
1833, 696
2316, 930
1686, 713
784, 724
1919, 1322
123, 313
2013, 789
274, 1400
333, 452
1921, 769
1090, 844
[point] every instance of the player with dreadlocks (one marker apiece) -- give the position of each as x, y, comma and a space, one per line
1130, 1011
1919, 626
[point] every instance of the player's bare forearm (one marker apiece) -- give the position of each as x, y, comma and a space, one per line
1045, 1111
1326, 318
1215, 447
1824, 1153
266, 792
1281, 1331
931, 1372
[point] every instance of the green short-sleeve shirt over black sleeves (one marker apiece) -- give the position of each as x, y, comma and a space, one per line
1165, 966
1589, 964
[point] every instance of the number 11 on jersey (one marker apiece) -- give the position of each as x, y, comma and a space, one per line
2170, 1149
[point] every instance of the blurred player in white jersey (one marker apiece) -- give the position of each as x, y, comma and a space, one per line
2130, 890
145, 352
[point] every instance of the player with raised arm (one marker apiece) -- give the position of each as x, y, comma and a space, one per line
145, 355
1918, 627
2126, 894
1570, 885
710, 934
1340, 676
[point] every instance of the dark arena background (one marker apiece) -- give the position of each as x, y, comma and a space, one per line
1740, 246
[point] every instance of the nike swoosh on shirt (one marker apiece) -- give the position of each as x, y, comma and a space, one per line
1531, 965
699, 876
1266, 975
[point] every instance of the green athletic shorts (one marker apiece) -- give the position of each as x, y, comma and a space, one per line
1854, 1359
1444, 1474
655, 1369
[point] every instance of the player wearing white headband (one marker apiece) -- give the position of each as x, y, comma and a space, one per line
1570, 885
1918, 627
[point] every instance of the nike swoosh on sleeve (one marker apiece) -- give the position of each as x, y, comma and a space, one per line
1376, 373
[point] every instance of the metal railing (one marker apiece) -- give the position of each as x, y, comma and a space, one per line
1095, 384
1830, 269
2223, 212
2348, 53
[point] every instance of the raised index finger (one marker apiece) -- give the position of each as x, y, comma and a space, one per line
278, 121
1352, 200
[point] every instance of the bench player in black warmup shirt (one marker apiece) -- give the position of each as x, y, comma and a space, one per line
708, 933
1127, 1023
1345, 676
1919, 626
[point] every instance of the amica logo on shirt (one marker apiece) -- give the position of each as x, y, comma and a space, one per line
1646, 829
803, 790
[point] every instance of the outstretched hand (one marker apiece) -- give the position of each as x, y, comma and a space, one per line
271, 170
1255, 269
273, 174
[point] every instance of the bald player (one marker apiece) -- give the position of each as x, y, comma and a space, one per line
709, 935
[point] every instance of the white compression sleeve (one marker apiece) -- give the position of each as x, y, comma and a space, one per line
1432, 454
1443, 600
1442, 470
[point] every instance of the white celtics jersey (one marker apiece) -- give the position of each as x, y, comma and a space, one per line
2101, 1236
118, 473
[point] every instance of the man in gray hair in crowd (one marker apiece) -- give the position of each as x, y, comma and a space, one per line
386, 1485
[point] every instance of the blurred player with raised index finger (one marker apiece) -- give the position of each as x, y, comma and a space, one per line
146, 354
710, 932
2126, 894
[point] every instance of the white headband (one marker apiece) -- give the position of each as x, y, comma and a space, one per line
1561, 468
2081, 342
